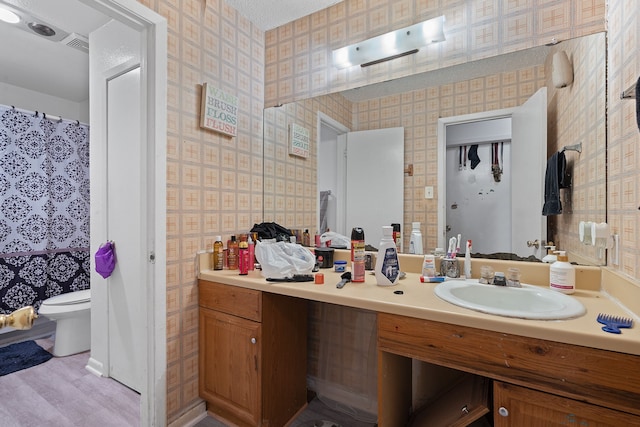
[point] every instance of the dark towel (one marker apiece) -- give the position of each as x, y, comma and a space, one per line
638, 102
556, 165
473, 156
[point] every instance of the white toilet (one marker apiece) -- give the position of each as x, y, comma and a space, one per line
72, 313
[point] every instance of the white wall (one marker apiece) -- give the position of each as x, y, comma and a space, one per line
36, 101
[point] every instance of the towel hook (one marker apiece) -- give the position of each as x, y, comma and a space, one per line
576, 147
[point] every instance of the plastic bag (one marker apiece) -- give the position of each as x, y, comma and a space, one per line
105, 259
337, 240
280, 260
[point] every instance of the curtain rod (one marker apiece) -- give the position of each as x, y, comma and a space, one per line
51, 117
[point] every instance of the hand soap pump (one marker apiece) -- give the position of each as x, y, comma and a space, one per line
551, 255
562, 275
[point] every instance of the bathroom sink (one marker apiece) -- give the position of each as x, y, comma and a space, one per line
527, 302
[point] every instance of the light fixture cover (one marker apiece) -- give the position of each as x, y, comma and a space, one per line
391, 45
8, 16
561, 70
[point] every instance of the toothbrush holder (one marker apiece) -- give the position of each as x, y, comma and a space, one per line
450, 267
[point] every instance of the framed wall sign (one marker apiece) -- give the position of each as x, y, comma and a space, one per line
219, 110
299, 141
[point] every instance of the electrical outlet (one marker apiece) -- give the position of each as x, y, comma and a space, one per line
428, 192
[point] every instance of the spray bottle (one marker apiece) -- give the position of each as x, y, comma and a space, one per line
357, 254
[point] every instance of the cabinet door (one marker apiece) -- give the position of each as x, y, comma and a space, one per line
230, 366
518, 406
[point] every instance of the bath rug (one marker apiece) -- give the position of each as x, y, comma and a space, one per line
22, 355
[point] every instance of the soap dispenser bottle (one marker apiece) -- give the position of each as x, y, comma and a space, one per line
551, 255
562, 275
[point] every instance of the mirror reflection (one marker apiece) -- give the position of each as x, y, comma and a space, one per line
575, 114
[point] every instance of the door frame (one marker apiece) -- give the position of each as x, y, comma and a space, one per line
442, 159
153, 37
325, 121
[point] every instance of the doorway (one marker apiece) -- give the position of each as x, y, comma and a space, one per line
149, 265
525, 159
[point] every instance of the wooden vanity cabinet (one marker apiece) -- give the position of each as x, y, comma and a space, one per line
516, 406
603, 382
252, 354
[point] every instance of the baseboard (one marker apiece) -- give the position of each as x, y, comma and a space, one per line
191, 417
95, 367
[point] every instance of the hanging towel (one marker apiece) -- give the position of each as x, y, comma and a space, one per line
638, 102
473, 156
555, 173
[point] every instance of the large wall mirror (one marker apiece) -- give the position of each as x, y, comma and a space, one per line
575, 115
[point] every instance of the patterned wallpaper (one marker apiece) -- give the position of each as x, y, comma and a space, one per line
214, 182
576, 114
623, 138
290, 197
298, 54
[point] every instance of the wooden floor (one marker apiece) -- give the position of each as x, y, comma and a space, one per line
62, 393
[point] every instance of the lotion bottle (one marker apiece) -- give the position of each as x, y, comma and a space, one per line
562, 275
387, 268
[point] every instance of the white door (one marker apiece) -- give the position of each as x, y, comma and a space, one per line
125, 210
528, 159
374, 181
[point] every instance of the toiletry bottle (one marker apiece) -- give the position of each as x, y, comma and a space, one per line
252, 253
306, 238
467, 260
357, 254
562, 275
232, 247
397, 236
415, 242
387, 268
243, 256
218, 254
429, 266
551, 255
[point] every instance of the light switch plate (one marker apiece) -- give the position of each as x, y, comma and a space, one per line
428, 192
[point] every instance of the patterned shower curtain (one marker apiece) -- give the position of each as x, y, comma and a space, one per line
44, 208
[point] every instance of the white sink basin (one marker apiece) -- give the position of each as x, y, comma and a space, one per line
528, 302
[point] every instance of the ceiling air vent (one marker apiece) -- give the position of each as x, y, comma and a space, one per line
77, 41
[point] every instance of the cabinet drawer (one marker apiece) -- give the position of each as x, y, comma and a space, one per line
234, 300
600, 377
519, 406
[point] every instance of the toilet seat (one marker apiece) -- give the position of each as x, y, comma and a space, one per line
66, 303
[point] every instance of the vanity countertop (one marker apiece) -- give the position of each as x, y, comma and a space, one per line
419, 301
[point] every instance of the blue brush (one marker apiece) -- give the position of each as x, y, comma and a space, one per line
614, 323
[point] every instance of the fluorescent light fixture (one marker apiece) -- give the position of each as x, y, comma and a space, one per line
8, 16
394, 44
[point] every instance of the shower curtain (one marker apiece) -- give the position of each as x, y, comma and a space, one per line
44, 208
